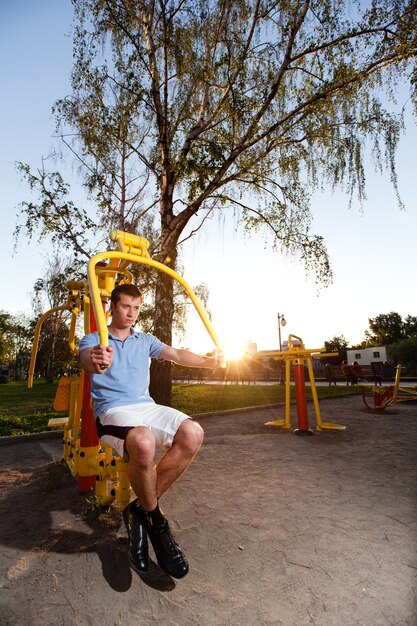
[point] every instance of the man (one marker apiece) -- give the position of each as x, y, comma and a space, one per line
135, 426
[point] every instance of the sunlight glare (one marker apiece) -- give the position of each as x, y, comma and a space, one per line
234, 349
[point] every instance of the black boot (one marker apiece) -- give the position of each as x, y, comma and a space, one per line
169, 556
135, 519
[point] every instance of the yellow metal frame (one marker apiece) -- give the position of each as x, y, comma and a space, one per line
298, 355
111, 478
75, 305
134, 249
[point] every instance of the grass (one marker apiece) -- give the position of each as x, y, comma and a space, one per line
24, 410
194, 399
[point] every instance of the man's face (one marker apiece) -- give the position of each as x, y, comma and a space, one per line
126, 311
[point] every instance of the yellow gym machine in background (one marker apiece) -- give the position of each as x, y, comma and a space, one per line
296, 356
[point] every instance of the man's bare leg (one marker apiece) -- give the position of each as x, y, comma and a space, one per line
140, 447
185, 446
141, 467
150, 481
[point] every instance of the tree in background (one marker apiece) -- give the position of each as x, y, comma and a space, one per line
6, 346
405, 353
385, 329
50, 292
337, 344
410, 326
15, 341
400, 336
54, 357
187, 108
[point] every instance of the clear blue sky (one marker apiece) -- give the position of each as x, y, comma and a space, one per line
373, 253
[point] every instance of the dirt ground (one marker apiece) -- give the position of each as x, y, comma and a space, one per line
278, 529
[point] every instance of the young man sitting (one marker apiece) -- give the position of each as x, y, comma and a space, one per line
135, 426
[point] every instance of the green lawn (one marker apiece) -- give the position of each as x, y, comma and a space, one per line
24, 410
194, 399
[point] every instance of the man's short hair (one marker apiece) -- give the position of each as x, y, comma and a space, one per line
126, 288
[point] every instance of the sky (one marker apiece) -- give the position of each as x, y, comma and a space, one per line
372, 249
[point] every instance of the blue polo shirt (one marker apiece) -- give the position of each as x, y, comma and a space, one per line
126, 381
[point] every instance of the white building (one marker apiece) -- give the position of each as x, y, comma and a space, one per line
367, 356
251, 348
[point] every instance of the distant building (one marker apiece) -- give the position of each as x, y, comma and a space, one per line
251, 348
367, 356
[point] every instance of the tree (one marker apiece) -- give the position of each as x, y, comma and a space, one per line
405, 353
337, 344
385, 329
15, 338
410, 326
185, 108
50, 292
54, 357
5, 340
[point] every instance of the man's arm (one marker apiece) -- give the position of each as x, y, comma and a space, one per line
96, 359
190, 359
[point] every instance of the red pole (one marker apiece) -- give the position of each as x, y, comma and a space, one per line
88, 435
301, 399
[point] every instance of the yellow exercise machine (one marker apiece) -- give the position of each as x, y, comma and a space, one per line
91, 463
296, 356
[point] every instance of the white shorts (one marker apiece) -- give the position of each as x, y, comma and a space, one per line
162, 421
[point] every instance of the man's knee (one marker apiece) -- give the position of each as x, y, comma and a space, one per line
190, 436
140, 445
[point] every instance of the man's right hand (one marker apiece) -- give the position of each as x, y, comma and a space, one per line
101, 358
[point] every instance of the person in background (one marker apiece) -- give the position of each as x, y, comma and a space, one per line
357, 371
349, 373
136, 427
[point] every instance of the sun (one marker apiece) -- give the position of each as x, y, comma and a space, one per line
232, 338
234, 349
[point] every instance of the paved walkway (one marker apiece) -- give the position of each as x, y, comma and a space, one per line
278, 529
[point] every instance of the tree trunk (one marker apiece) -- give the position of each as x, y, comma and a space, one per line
161, 380
50, 367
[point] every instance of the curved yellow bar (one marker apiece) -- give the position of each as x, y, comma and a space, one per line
71, 337
290, 342
145, 260
74, 305
38, 327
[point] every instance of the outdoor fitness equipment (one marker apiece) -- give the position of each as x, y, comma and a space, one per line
91, 463
74, 304
297, 355
383, 397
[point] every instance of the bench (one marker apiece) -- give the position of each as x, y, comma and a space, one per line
339, 373
354, 374
370, 373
